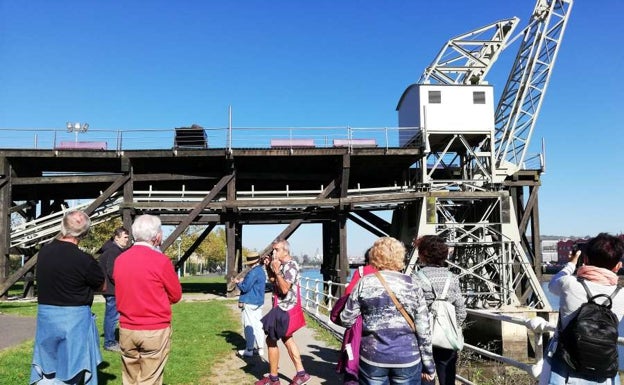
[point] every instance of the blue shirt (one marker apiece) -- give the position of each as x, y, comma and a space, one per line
253, 286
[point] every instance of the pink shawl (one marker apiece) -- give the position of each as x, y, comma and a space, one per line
598, 275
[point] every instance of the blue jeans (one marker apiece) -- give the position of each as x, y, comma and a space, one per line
376, 375
111, 317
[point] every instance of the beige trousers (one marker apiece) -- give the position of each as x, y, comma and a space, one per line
144, 354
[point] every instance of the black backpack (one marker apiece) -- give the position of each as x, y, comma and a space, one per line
588, 344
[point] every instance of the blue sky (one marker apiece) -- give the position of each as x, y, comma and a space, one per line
163, 64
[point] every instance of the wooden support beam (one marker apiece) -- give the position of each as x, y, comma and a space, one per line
344, 179
536, 237
528, 210
196, 211
113, 188
294, 225
375, 220
5, 223
58, 179
367, 226
32, 261
195, 244
128, 197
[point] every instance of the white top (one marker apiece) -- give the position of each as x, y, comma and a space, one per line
572, 294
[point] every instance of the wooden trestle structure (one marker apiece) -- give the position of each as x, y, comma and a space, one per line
232, 188
293, 186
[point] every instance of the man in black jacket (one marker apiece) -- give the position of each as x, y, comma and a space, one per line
110, 252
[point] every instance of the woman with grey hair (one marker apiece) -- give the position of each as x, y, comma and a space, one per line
66, 341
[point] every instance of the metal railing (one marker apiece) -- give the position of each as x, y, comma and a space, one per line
44, 228
215, 137
317, 302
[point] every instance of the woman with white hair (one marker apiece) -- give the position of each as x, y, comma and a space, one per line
66, 347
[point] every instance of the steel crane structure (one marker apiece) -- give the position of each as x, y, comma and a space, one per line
474, 166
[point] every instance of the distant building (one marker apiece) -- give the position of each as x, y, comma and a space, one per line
564, 247
549, 251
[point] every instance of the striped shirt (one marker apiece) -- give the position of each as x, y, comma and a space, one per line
437, 275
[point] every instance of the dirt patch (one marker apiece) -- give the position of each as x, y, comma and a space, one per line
237, 370
234, 370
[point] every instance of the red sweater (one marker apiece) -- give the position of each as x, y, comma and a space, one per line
145, 287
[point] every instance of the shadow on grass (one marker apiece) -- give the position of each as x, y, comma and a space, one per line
19, 305
103, 377
216, 288
236, 340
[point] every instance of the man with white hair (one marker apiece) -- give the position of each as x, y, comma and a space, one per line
145, 287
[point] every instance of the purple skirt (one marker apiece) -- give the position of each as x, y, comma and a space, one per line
275, 323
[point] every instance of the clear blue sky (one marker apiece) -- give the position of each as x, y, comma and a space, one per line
163, 64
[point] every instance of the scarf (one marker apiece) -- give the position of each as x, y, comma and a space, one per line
598, 275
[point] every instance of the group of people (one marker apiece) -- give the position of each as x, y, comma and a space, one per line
389, 349
385, 311
387, 318
381, 346
139, 285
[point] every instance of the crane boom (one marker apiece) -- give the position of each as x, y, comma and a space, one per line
521, 100
467, 58
473, 151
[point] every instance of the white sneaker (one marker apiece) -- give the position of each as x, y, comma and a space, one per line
245, 353
261, 352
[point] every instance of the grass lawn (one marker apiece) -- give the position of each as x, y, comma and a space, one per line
204, 334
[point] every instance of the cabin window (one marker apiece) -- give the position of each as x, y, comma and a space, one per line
435, 97
478, 97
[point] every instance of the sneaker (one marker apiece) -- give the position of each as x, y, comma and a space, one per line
245, 353
300, 380
266, 380
261, 352
113, 348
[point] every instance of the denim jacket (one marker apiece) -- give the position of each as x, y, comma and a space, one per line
253, 285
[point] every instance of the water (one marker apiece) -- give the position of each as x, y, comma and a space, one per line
311, 274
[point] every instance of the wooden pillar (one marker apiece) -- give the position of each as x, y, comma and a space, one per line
238, 240
342, 265
230, 255
232, 230
5, 220
335, 265
128, 195
536, 239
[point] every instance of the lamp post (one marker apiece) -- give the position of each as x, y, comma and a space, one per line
76, 128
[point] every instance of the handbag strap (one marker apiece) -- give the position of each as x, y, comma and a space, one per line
396, 301
299, 302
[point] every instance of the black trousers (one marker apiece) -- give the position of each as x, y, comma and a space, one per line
445, 362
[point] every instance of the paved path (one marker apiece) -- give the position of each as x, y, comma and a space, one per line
14, 330
318, 359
